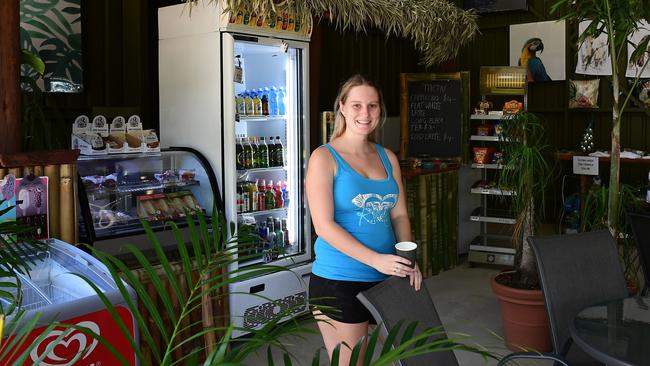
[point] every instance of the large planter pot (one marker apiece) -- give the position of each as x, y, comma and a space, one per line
525, 322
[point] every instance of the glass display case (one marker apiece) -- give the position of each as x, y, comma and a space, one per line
116, 191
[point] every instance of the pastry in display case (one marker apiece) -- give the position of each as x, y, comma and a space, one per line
117, 191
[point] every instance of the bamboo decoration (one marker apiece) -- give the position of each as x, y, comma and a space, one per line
67, 209
27, 171
53, 199
38, 170
432, 203
3, 173
17, 172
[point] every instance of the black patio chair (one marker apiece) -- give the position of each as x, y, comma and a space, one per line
394, 302
640, 224
576, 271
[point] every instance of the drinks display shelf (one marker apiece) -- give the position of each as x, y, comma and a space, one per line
487, 166
493, 191
242, 118
492, 250
142, 186
259, 258
263, 212
488, 138
259, 170
493, 216
496, 117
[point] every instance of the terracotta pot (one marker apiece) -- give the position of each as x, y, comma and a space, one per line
525, 322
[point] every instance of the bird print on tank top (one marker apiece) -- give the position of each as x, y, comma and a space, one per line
374, 208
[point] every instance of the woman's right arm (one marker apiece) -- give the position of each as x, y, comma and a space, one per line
319, 185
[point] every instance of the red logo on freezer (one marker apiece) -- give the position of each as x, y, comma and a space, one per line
77, 348
72, 346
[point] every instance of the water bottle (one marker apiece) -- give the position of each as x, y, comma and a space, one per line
281, 101
272, 94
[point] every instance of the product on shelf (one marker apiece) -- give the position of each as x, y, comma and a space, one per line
484, 129
512, 107
148, 209
483, 155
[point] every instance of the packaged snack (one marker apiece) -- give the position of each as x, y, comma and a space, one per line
187, 175
484, 130
483, 155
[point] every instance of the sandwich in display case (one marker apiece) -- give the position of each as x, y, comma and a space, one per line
117, 191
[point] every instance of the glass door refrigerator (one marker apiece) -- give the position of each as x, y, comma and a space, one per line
235, 87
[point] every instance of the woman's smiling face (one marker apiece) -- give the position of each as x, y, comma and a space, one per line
361, 110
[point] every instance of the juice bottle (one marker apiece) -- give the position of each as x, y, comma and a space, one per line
270, 196
245, 197
279, 200
247, 153
241, 105
248, 104
257, 105
286, 232
261, 194
253, 196
278, 152
265, 105
239, 154
264, 153
271, 146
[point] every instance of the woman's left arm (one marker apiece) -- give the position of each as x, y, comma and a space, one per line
400, 219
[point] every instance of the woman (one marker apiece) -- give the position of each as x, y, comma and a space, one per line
358, 209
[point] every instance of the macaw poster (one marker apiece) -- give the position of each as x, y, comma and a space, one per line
541, 48
51, 30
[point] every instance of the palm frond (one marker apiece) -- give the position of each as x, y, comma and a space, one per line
438, 28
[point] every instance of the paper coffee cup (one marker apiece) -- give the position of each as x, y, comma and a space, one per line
407, 250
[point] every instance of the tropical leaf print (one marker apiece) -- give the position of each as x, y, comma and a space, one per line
52, 29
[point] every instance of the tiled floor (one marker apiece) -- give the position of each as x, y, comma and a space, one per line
464, 302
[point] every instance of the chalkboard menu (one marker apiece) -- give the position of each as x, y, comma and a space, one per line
434, 118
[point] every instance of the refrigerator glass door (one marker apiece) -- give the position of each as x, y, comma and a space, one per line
265, 139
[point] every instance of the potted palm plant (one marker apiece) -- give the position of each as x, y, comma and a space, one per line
527, 171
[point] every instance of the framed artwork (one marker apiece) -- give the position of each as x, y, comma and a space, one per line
493, 6
52, 31
634, 68
593, 54
541, 47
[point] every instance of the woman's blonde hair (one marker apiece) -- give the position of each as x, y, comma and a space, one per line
344, 90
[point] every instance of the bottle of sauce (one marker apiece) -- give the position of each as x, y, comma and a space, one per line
264, 153
271, 145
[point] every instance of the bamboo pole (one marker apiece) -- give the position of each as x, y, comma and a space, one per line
17, 172
54, 199
3, 173
67, 209
38, 170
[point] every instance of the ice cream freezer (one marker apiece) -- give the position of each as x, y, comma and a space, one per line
54, 290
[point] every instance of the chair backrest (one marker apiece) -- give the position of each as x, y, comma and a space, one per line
395, 300
640, 224
576, 270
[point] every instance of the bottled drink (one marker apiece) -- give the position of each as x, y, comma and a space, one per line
279, 200
285, 194
239, 199
253, 194
264, 153
278, 152
241, 105
250, 159
256, 152
270, 196
248, 104
261, 195
265, 105
272, 94
257, 105
264, 235
271, 238
281, 101
245, 198
247, 152
286, 232
279, 234
271, 146
239, 154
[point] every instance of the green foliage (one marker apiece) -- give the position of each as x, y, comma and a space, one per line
15, 260
208, 255
438, 28
527, 171
594, 217
618, 19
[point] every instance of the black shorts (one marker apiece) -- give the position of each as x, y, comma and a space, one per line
342, 297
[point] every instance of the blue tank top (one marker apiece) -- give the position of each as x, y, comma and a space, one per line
362, 207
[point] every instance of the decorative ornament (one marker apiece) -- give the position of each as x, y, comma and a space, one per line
587, 142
